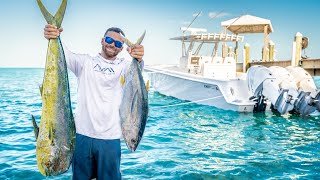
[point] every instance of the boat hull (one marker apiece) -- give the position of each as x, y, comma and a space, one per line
223, 94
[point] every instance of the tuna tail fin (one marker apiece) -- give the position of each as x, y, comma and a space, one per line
127, 42
139, 41
58, 17
35, 127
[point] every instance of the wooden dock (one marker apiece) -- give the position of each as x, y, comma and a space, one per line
310, 65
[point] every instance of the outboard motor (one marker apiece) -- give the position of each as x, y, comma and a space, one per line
304, 82
262, 85
303, 102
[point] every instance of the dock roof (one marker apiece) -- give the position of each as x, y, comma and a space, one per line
247, 24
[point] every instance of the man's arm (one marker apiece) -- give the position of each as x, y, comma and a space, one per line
75, 62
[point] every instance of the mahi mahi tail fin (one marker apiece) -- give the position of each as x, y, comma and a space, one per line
60, 13
58, 17
35, 127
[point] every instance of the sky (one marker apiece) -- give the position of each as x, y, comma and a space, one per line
22, 43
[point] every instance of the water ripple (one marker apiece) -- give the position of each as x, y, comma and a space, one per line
180, 142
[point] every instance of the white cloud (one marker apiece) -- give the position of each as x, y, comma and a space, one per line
185, 22
217, 14
195, 14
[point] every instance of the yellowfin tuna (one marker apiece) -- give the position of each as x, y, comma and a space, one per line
134, 104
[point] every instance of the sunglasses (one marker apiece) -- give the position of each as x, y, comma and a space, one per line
110, 40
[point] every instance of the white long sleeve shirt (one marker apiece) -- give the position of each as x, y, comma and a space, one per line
99, 94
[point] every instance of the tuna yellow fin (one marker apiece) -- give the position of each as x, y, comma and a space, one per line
122, 80
35, 127
148, 85
58, 17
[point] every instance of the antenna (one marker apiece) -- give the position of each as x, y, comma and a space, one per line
234, 21
192, 22
216, 15
184, 51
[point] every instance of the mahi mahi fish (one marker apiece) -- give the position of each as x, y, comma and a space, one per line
56, 135
134, 104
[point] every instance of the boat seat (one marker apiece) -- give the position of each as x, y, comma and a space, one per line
217, 60
195, 60
229, 60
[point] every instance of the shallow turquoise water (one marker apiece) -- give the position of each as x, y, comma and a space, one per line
180, 142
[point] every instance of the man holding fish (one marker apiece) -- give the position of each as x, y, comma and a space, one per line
97, 118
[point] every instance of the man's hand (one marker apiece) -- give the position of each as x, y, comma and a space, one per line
137, 51
51, 31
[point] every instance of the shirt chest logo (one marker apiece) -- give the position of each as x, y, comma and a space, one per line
104, 70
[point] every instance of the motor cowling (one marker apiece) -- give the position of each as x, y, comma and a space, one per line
262, 84
305, 83
303, 103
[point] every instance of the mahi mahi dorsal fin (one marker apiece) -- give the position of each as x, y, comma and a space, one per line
40, 88
35, 127
58, 17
